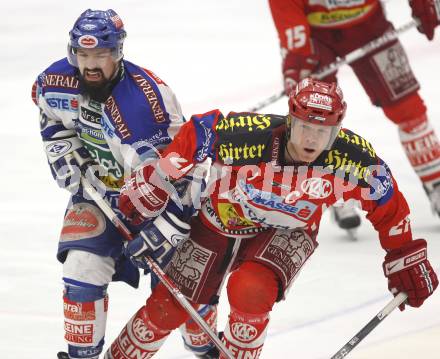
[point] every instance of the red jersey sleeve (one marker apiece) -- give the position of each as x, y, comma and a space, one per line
387, 208
194, 143
292, 26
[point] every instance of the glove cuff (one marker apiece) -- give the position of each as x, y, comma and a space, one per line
407, 256
59, 147
172, 228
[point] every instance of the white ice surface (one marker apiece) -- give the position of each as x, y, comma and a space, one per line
214, 54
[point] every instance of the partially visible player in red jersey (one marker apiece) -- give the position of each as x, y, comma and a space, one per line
313, 33
271, 179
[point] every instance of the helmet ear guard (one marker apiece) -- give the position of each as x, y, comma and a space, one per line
97, 29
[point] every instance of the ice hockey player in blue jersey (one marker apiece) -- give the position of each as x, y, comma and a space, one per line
99, 115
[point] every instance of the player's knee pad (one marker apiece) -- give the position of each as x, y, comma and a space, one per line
253, 288
194, 337
85, 315
88, 267
407, 111
163, 309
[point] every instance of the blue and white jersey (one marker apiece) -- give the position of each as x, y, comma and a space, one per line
141, 112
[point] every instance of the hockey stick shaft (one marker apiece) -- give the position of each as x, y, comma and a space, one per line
348, 59
373, 323
177, 294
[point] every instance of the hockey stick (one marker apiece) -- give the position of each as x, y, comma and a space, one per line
373, 323
348, 59
177, 294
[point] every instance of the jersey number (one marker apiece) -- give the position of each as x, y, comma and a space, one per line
296, 37
401, 228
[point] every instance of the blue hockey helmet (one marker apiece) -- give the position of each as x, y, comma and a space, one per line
97, 29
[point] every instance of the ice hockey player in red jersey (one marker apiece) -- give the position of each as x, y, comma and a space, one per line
271, 179
313, 33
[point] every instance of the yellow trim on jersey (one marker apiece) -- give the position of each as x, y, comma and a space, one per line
337, 17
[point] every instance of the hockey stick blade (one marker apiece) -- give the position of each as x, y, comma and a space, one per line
348, 59
373, 323
169, 284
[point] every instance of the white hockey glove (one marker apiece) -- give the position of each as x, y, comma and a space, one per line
68, 159
158, 239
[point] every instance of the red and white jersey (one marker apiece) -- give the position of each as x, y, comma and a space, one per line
251, 190
294, 19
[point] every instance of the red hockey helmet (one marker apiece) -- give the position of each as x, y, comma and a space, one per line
317, 103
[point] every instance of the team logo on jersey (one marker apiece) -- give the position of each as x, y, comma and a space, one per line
317, 187
88, 41
58, 148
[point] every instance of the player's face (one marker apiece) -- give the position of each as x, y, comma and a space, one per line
307, 140
97, 66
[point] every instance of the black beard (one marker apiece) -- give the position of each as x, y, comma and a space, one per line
100, 91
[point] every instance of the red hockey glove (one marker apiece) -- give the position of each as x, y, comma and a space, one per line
427, 12
296, 68
143, 195
408, 270
146, 193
